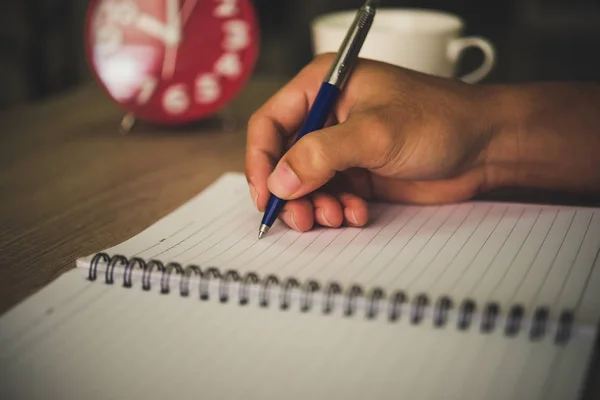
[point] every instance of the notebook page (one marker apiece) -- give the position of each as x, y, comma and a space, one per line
532, 255
112, 342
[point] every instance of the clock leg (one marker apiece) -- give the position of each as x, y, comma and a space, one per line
228, 120
127, 124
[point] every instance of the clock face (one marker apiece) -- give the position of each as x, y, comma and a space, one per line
172, 61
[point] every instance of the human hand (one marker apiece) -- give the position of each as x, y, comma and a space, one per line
395, 135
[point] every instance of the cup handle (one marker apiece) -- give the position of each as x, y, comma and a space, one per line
458, 46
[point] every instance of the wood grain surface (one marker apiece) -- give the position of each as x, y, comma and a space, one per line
71, 184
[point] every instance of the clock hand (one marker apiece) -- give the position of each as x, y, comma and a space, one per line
151, 26
174, 38
186, 10
173, 22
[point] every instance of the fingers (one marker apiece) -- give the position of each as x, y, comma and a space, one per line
326, 210
356, 210
298, 215
316, 158
274, 124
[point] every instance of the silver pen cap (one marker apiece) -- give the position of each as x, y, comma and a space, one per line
352, 44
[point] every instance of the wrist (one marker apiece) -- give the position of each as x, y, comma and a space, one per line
502, 156
543, 136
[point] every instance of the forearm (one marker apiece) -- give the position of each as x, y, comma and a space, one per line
545, 136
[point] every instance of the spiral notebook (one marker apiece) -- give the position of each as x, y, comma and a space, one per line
467, 301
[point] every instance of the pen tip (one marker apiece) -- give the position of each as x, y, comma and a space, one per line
263, 231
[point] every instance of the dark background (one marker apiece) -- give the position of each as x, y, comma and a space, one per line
41, 41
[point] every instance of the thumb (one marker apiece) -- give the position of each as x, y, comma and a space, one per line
315, 159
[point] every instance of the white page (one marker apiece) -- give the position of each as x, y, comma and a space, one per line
533, 255
112, 342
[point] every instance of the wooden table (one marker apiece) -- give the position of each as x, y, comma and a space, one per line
71, 185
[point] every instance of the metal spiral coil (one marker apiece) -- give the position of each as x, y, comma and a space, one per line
230, 276
515, 316
308, 289
250, 279
375, 300
442, 309
285, 294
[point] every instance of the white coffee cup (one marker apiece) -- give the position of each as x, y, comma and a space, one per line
428, 41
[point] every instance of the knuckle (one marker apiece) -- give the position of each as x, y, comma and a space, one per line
319, 63
379, 136
324, 58
253, 121
315, 156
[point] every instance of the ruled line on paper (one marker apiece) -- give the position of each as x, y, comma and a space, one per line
381, 269
198, 248
282, 250
425, 268
464, 249
511, 263
331, 275
358, 264
466, 267
548, 270
460, 249
398, 274
402, 277
178, 231
533, 244
245, 261
558, 268
337, 259
489, 263
549, 246
574, 293
585, 293
204, 228
489, 251
249, 249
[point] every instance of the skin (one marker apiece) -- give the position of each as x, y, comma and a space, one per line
401, 136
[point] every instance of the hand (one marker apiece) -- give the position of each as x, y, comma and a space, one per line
395, 135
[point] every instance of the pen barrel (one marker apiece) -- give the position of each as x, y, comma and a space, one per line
330, 90
320, 110
316, 119
351, 46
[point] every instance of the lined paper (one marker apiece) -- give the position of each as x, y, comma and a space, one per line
105, 341
509, 253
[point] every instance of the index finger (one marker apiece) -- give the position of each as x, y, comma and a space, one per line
277, 121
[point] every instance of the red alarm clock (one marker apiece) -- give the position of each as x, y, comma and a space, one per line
172, 61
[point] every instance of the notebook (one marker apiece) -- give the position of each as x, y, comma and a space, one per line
476, 300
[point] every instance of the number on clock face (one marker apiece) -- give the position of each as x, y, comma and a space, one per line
153, 58
226, 8
207, 89
236, 35
208, 86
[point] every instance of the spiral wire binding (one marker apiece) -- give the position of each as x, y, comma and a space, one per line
376, 299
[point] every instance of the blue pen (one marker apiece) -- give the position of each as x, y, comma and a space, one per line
345, 61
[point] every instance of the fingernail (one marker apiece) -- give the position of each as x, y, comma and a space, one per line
289, 219
283, 182
352, 216
254, 195
324, 218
